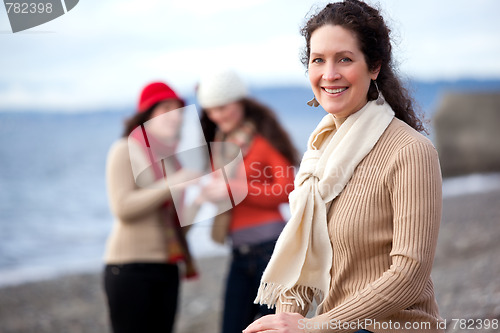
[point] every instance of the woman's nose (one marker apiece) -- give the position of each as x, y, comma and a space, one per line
331, 73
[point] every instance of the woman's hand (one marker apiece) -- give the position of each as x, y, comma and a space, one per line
281, 322
184, 178
215, 191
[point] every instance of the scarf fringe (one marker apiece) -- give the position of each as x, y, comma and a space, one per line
270, 293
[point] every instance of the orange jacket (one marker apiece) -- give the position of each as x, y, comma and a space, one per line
269, 179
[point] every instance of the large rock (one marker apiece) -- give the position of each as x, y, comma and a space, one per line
467, 129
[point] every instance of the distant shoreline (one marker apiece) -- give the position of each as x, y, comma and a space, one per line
452, 187
425, 92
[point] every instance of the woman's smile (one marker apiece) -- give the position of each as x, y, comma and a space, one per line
334, 90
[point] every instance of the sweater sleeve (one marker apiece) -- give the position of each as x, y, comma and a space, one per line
292, 306
414, 185
278, 174
127, 200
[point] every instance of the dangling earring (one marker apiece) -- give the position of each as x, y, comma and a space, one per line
313, 102
380, 99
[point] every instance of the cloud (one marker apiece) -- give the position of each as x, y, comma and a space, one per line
115, 79
209, 8
101, 53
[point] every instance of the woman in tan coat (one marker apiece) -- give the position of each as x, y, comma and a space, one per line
146, 244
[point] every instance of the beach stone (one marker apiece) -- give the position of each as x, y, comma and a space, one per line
466, 266
467, 133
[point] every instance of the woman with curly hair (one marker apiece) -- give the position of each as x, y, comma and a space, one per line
367, 202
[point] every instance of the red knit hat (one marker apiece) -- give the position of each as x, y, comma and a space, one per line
156, 92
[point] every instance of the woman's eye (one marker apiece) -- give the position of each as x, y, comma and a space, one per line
345, 59
317, 60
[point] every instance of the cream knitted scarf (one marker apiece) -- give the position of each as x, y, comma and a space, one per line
299, 269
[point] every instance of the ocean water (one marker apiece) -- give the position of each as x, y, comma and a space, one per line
54, 215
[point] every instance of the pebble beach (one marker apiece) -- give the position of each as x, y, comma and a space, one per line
465, 274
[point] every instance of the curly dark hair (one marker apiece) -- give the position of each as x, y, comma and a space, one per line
374, 40
266, 124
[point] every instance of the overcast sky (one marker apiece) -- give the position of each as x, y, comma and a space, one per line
101, 53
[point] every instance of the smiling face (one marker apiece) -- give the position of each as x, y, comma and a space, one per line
226, 117
167, 126
338, 71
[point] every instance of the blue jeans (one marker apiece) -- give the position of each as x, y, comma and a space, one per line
247, 265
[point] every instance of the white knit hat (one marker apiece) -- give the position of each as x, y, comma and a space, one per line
220, 88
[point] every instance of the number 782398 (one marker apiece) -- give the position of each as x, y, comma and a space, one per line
475, 324
28, 8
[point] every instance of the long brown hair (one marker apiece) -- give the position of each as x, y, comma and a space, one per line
137, 119
374, 40
266, 124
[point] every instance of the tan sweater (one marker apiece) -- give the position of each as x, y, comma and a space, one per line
138, 233
383, 228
